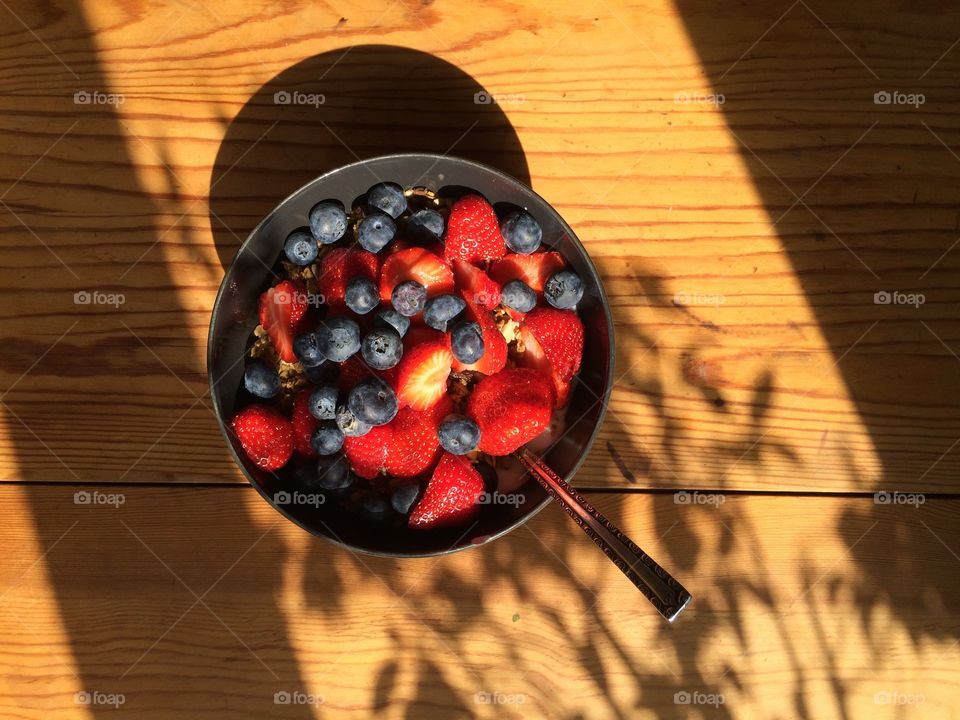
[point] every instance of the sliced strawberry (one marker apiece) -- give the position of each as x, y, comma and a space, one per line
420, 334
511, 408
338, 267
553, 343
283, 314
354, 369
451, 497
473, 231
368, 453
534, 269
473, 282
422, 375
495, 346
417, 264
413, 445
265, 435
303, 425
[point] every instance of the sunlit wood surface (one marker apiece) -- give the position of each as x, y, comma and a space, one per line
750, 201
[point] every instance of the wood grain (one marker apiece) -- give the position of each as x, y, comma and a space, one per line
750, 352
808, 618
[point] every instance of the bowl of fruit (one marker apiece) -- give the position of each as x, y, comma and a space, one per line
391, 335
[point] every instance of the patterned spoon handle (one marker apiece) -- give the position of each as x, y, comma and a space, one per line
668, 596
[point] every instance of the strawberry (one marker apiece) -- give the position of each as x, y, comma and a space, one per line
418, 264
451, 495
553, 342
413, 444
511, 408
338, 267
367, 453
419, 334
474, 282
495, 346
534, 269
265, 435
354, 369
421, 376
303, 425
283, 314
473, 231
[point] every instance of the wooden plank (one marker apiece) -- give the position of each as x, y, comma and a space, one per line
804, 607
750, 352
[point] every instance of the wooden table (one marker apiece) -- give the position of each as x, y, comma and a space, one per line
772, 195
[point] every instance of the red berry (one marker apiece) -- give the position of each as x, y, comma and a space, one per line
303, 425
265, 435
553, 340
534, 269
421, 376
413, 445
283, 313
417, 264
473, 231
451, 495
474, 283
511, 408
368, 453
338, 267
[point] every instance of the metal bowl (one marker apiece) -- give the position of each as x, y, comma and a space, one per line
235, 316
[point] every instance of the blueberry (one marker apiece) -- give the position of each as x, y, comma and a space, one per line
261, 379
409, 297
382, 348
563, 289
466, 342
440, 310
327, 439
307, 349
388, 197
333, 474
518, 296
328, 222
375, 231
521, 232
362, 295
349, 424
404, 497
425, 225
458, 434
339, 338
391, 318
373, 402
375, 509
300, 248
322, 402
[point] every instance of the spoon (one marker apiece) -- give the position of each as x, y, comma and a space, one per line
667, 595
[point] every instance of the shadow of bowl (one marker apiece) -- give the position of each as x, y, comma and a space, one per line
235, 317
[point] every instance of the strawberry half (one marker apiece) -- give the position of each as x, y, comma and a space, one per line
368, 453
283, 312
338, 267
413, 444
553, 342
511, 408
473, 231
265, 435
303, 425
534, 269
417, 264
451, 495
422, 375
495, 346
473, 282
420, 334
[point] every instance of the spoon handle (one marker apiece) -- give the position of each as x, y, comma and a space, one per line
667, 595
